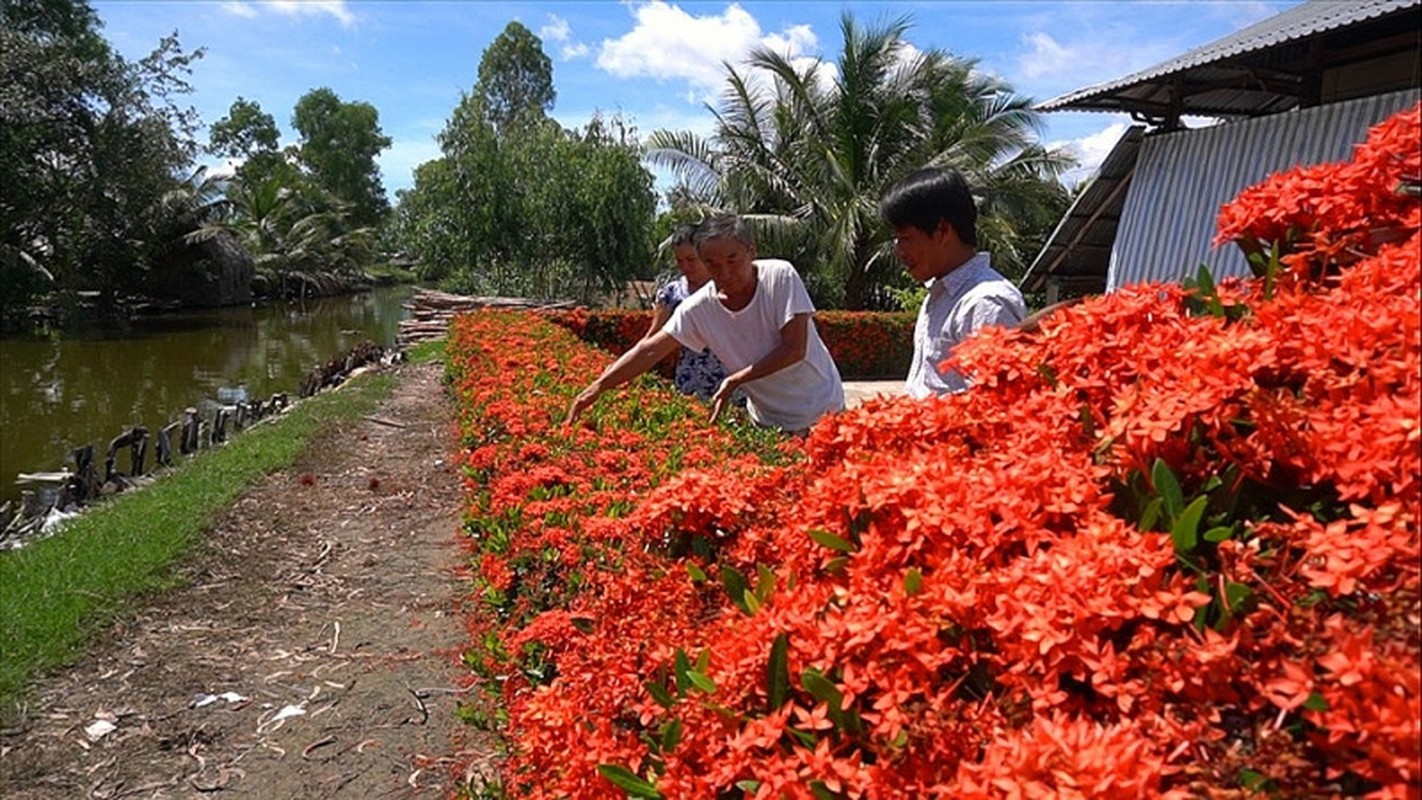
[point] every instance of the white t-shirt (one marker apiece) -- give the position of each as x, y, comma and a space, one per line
958, 304
792, 398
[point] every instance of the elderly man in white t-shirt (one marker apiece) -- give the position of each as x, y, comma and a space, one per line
757, 318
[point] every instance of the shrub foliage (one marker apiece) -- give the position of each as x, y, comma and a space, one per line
863, 344
1166, 547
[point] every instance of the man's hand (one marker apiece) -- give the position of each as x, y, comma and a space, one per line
722, 396
580, 404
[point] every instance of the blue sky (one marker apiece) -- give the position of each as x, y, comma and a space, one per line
656, 63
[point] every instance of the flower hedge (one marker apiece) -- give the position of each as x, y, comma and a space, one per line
1166, 547
864, 344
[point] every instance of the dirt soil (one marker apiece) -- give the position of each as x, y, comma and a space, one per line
311, 652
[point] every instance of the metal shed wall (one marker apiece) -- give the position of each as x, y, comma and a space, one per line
1183, 178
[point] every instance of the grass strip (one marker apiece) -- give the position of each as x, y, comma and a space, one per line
57, 592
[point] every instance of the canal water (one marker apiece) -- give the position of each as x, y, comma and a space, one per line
63, 391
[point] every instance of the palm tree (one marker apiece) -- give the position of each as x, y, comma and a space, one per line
806, 151
290, 229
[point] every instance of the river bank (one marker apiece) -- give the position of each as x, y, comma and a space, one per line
87, 385
304, 649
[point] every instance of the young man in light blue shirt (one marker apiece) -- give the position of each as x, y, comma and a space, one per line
935, 221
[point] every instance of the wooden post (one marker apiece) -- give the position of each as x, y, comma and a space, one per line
190, 431
219, 424
136, 439
164, 456
138, 451
29, 504
86, 478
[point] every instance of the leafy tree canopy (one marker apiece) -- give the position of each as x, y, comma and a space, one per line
805, 151
518, 205
90, 146
515, 78
339, 143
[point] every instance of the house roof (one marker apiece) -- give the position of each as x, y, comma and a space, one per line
1080, 247
1262, 69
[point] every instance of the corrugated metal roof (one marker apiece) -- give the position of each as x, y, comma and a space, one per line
1080, 246
1209, 63
1181, 179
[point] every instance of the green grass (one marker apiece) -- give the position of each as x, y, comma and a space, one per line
425, 352
57, 592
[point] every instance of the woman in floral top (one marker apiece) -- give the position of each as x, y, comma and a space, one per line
698, 373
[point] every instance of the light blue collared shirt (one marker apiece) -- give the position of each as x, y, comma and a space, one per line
958, 304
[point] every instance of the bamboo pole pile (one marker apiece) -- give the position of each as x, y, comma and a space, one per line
431, 312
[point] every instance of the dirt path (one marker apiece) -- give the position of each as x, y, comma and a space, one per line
325, 600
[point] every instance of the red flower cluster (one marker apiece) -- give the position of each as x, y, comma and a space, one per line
1166, 547
1333, 214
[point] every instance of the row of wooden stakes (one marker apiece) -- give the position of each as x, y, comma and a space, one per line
68, 490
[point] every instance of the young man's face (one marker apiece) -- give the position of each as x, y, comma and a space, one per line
924, 255
729, 261
690, 264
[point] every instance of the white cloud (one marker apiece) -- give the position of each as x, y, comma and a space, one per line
667, 43
1090, 151
292, 8
1047, 56
558, 31
239, 9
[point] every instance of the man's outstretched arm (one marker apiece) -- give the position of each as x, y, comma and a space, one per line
644, 356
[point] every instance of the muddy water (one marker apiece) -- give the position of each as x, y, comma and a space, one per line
65, 390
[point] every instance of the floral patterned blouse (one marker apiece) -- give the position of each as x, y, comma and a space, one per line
698, 373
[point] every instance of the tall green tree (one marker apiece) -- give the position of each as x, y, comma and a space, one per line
248, 135
805, 152
515, 83
339, 143
91, 143
517, 204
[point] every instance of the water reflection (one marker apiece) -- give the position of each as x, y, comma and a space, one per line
89, 386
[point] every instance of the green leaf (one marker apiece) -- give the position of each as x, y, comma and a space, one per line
1218, 534
836, 565
1315, 702
681, 667
1151, 514
700, 681
765, 582
695, 572
822, 688
736, 586
750, 603
1206, 283
777, 674
628, 781
1185, 530
1236, 594
660, 694
703, 660
913, 581
582, 624
901, 739
748, 786
806, 738
671, 736
1168, 488
1048, 374
831, 541
820, 791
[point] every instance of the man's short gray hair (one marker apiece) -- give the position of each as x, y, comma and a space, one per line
723, 226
